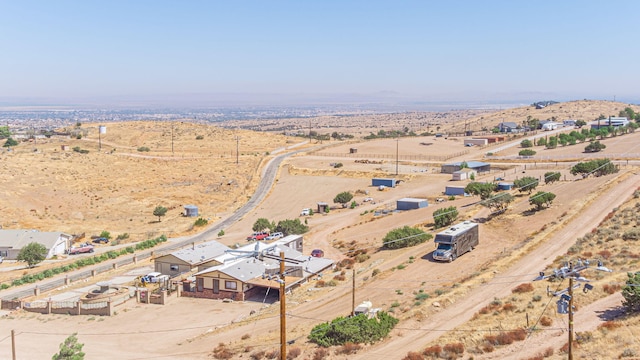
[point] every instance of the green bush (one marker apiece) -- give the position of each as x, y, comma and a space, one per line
526, 152
404, 237
445, 216
143, 149
356, 329
201, 222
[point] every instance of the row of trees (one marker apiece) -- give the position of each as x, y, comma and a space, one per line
500, 202
287, 227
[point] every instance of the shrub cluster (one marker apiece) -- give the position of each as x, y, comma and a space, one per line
86, 261
356, 329
506, 337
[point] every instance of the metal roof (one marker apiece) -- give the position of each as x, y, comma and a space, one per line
411, 200
17, 239
204, 252
251, 267
471, 164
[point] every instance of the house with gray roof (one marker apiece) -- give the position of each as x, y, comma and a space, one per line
508, 127
253, 270
195, 258
12, 241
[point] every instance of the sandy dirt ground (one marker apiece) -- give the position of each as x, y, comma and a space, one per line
190, 328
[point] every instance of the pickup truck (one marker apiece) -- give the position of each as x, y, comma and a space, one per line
274, 236
84, 248
261, 235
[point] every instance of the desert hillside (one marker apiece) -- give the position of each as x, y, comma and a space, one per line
135, 166
115, 180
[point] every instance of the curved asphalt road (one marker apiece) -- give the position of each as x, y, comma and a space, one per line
268, 177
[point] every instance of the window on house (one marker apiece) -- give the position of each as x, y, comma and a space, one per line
231, 285
174, 267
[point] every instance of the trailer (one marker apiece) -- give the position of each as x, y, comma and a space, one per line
455, 241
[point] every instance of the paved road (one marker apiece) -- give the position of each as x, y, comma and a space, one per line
268, 177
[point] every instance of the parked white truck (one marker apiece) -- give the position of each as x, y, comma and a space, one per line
456, 241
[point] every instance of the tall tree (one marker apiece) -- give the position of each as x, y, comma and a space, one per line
4, 132
160, 211
289, 227
70, 349
445, 216
551, 177
484, 190
631, 292
10, 142
262, 224
542, 199
33, 253
499, 203
526, 184
343, 198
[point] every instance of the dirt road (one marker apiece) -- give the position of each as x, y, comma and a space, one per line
457, 314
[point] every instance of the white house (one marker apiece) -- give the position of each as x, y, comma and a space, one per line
12, 241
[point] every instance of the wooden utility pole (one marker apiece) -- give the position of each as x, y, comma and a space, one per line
570, 318
397, 144
13, 344
237, 150
283, 324
353, 293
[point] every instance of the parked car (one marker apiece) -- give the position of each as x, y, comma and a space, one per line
317, 253
100, 240
274, 236
154, 277
305, 212
260, 235
83, 248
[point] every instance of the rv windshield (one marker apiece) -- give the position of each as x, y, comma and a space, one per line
442, 246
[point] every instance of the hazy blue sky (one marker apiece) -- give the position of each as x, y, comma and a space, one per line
433, 49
